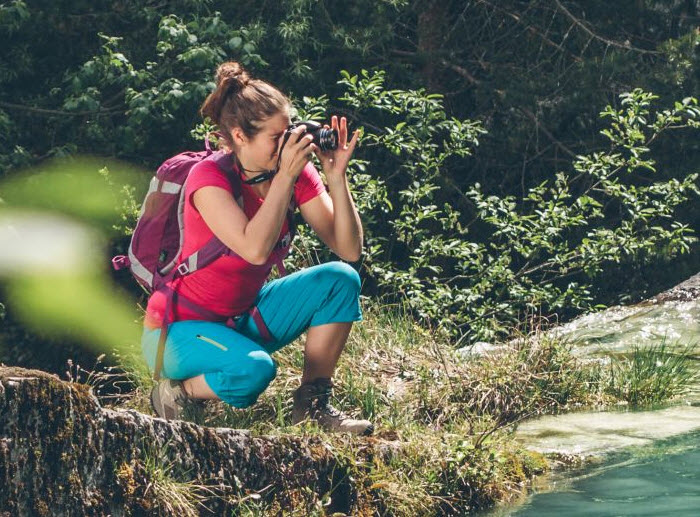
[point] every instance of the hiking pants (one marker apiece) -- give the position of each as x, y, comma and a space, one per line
237, 364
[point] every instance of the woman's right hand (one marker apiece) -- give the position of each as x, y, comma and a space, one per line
296, 153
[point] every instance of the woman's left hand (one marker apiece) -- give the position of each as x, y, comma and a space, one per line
335, 163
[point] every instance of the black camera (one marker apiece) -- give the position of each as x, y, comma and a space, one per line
325, 139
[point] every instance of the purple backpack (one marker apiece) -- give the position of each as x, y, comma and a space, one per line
154, 255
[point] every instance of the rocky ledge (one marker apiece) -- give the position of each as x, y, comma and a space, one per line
63, 454
683, 292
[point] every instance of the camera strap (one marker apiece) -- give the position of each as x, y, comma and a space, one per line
260, 178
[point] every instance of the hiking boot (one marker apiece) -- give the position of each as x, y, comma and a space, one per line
312, 400
170, 401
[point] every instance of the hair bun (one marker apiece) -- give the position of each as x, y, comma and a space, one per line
241, 101
231, 79
231, 73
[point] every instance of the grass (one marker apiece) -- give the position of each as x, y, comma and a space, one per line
442, 443
653, 374
164, 492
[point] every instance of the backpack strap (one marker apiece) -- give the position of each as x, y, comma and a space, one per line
204, 256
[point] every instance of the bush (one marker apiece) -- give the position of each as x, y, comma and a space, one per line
476, 278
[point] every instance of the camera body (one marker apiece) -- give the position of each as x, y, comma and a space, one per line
325, 139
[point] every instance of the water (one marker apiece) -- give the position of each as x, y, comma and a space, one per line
598, 433
648, 462
619, 329
661, 479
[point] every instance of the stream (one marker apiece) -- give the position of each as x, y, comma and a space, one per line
639, 462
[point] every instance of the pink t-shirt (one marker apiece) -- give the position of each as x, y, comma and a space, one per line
229, 285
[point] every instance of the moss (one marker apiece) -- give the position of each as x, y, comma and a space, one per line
533, 463
41, 508
75, 481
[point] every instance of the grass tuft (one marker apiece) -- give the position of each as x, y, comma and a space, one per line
649, 375
167, 494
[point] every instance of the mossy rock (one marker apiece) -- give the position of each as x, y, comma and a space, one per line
61, 453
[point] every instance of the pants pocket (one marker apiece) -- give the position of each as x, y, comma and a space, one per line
211, 341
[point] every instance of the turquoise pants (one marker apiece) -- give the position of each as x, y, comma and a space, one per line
237, 364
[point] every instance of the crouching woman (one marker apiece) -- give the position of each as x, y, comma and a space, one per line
206, 358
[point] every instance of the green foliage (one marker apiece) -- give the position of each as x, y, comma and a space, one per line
541, 253
607, 210
128, 207
53, 272
132, 96
470, 242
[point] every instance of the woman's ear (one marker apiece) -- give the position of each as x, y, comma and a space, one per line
238, 137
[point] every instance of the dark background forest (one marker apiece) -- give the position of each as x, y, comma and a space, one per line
478, 178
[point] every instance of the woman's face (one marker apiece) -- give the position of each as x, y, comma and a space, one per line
260, 152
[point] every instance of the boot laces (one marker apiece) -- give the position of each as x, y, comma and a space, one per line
323, 404
181, 396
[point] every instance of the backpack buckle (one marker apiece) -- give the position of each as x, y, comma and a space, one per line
183, 269
120, 262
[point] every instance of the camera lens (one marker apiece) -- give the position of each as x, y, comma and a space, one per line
327, 139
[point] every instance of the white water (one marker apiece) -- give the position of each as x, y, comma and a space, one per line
601, 432
619, 329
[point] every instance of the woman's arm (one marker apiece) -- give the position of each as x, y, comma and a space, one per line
336, 221
335, 218
255, 239
252, 239
346, 223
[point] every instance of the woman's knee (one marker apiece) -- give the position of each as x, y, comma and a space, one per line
252, 379
262, 371
341, 273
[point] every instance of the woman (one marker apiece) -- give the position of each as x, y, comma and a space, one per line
209, 360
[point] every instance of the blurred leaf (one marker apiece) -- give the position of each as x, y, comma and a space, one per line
83, 306
72, 187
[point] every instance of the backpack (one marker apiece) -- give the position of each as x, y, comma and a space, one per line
154, 255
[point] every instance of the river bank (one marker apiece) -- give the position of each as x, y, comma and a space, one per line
444, 445
624, 461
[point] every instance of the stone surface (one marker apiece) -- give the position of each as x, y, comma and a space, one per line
683, 292
596, 433
61, 453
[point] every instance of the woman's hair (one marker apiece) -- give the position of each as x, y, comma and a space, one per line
241, 101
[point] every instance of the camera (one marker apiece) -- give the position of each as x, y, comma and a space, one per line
325, 139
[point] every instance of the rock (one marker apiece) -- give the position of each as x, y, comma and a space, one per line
478, 349
61, 453
683, 292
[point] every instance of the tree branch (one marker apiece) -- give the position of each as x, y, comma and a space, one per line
424, 56
556, 142
460, 70
533, 30
612, 43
